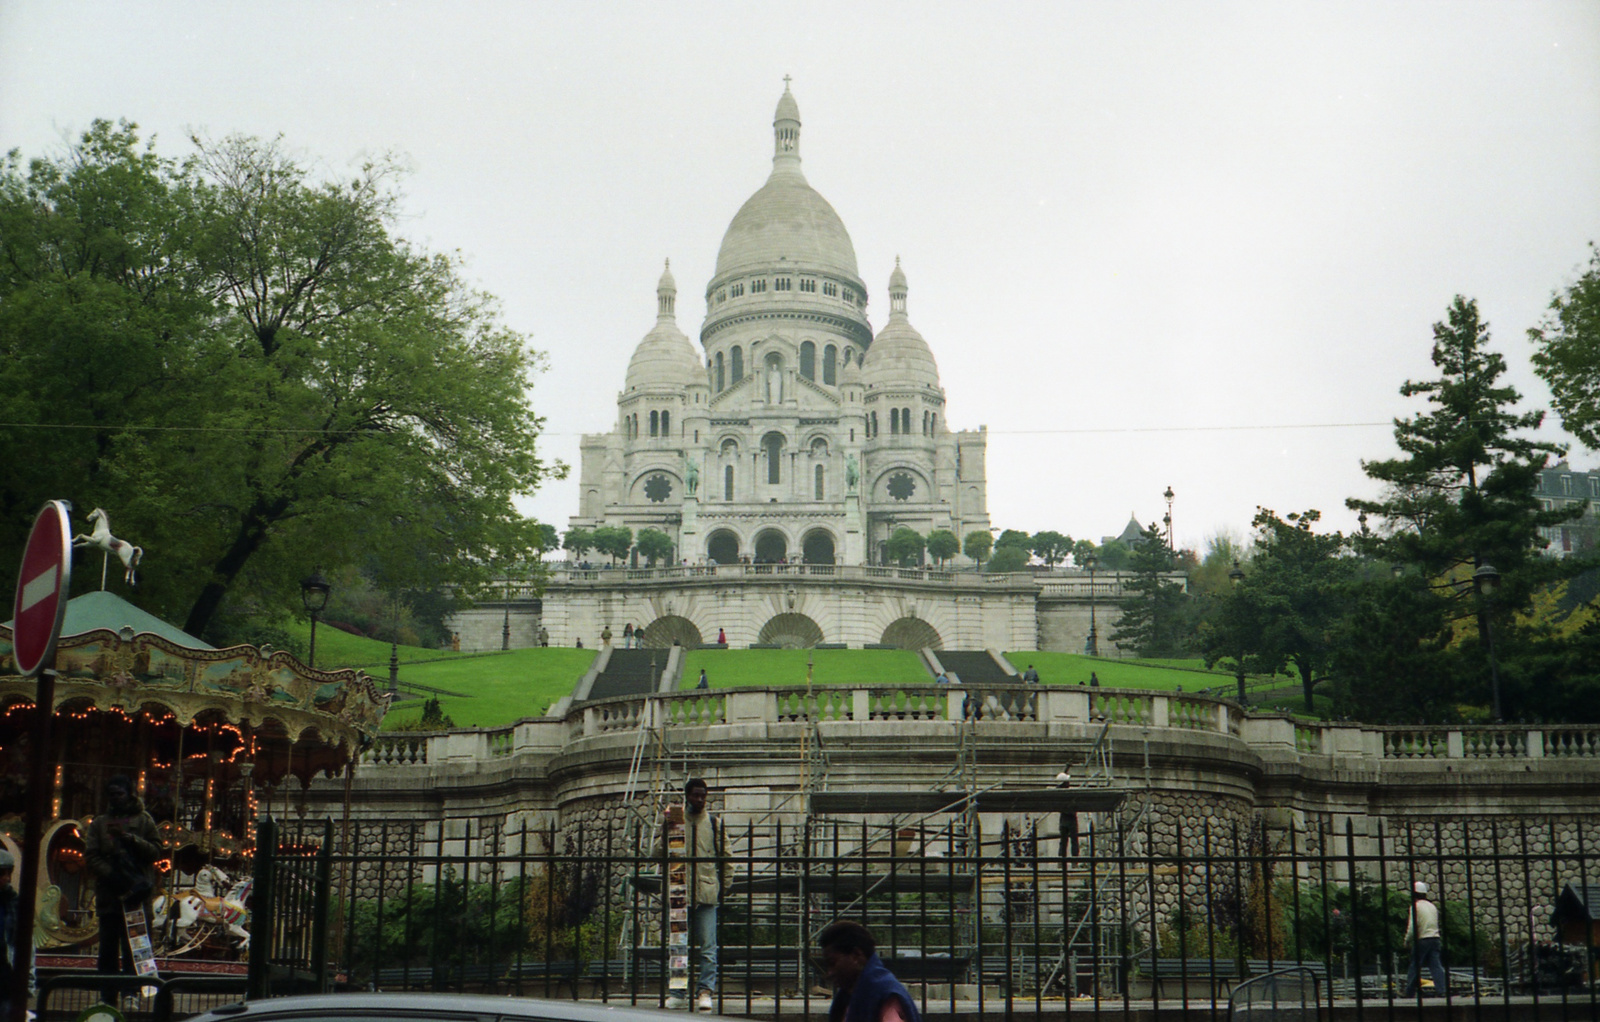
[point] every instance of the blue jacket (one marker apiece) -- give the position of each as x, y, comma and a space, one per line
863, 1002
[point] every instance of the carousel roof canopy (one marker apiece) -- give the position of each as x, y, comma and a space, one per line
108, 611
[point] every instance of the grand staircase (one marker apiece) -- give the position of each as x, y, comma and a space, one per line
629, 673
976, 668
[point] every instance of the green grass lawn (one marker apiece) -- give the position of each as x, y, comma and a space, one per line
498, 688
728, 668
1162, 675
501, 688
336, 649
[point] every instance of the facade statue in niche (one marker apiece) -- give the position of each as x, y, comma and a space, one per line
774, 382
785, 292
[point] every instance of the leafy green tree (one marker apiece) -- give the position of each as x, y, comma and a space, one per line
1114, 555
1461, 494
1152, 622
1007, 559
1015, 538
942, 545
977, 545
614, 541
655, 545
578, 541
1052, 547
546, 538
1288, 609
254, 373
1567, 354
905, 546
1082, 550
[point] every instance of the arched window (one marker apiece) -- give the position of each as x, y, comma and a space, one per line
894, 421
655, 422
773, 442
719, 372
808, 360
819, 482
666, 423
736, 372
926, 431
905, 421
727, 482
830, 372
933, 423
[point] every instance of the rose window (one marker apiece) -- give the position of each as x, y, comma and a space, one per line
658, 488
902, 486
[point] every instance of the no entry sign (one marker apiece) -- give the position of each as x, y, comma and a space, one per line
42, 587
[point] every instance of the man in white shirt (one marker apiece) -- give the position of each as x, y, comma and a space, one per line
1424, 936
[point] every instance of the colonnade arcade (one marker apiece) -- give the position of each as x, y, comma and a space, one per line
771, 545
789, 630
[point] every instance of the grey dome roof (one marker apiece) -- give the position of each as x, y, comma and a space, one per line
899, 356
787, 221
665, 356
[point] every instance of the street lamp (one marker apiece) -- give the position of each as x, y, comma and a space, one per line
1091, 562
1171, 543
394, 648
505, 628
314, 591
1486, 579
1236, 576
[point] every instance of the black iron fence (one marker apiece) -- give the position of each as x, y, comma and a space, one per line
1101, 919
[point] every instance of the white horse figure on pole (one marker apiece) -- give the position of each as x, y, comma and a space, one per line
206, 904
102, 538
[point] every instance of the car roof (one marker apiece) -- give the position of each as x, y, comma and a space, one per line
434, 1006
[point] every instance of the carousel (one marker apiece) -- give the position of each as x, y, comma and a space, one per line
210, 738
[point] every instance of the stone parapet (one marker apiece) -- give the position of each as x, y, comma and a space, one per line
751, 743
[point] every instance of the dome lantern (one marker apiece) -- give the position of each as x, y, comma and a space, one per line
666, 293
786, 132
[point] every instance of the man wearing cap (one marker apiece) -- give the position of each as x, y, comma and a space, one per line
1423, 934
121, 849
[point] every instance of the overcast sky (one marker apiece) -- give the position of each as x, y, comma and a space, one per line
1196, 245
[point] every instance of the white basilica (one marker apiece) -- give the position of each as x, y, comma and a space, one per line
797, 435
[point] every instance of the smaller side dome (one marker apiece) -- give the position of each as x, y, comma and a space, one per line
899, 357
665, 357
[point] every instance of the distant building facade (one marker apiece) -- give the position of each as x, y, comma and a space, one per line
794, 434
1560, 486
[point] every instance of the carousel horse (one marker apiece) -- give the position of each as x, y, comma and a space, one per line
102, 538
202, 904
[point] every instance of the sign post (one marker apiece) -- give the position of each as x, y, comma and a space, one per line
40, 604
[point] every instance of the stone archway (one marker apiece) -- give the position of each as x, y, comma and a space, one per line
791, 631
911, 633
722, 546
659, 633
771, 546
817, 547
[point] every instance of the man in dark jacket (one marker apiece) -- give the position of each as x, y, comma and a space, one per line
8, 929
864, 988
121, 849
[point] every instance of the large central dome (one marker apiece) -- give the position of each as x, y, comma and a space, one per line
786, 223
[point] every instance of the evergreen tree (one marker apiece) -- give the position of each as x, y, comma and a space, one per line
1460, 496
1153, 620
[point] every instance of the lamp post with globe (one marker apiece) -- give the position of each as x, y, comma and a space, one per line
314, 591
